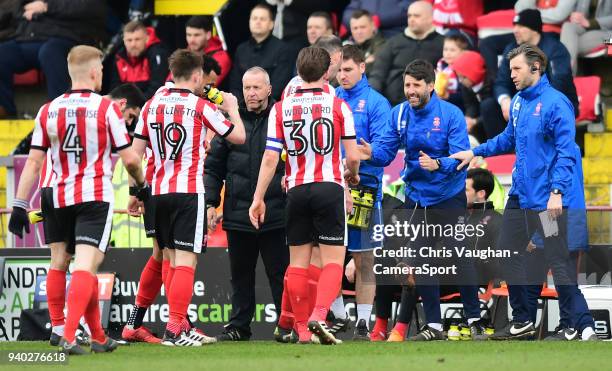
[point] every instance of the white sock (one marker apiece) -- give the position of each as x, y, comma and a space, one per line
435, 326
86, 327
58, 330
587, 332
338, 309
364, 311
472, 320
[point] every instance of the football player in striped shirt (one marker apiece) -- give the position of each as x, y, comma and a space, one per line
312, 126
175, 124
80, 128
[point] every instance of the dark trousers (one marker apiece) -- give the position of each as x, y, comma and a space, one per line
244, 249
518, 226
447, 212
578, 317
19, 57
491, 48
493, 121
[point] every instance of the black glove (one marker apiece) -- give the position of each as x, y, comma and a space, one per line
19, 218
142, 193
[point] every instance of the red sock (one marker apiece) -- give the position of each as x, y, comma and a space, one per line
79, 294
380, 326
92, 315
181, 290
56, 296
314, 273
169, 278
286, 319
165, 269
330, 282
297, 283
401, 328
150, 283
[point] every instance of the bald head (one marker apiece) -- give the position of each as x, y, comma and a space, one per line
420, 17
256, 89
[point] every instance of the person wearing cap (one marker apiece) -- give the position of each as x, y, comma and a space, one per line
475, 88
528, 30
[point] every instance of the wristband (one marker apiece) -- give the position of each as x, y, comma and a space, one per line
22, 204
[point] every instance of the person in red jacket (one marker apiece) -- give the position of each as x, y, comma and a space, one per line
198, 31
142, 60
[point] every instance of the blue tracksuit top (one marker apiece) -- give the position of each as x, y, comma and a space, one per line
372, 115
541, 130
439, 130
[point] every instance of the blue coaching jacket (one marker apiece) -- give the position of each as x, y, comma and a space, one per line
372, 115
541, 130
438, 129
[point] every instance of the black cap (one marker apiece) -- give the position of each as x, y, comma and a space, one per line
529, 18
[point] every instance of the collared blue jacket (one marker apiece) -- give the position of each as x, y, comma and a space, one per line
438, 129
372, 115
541, 131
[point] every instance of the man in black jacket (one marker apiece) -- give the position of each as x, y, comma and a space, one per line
264, 50
46, 32
238, 166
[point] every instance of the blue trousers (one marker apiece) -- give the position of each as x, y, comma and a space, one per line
19, 57
518, 226
443, 213
578, 317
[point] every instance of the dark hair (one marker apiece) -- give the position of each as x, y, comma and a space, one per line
532, 54
483, 180
134, 26
358, 13
352, 52
265, 7
461, 41
202, 22
420, 69
132, 94
312, 63
326, 16
330, 43
183, 62
209, 64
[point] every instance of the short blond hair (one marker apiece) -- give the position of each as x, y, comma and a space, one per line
80, 60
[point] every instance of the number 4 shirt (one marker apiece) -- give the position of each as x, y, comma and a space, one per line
311, 124
80, 128
174, 121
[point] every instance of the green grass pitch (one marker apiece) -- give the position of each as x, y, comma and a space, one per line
266, 355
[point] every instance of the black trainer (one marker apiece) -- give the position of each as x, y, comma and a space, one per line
337, 325
478, 330
428, 334
54, 339
563, 334
232, 334
283, 335
108, 346
362, 333
515, 331
73, 349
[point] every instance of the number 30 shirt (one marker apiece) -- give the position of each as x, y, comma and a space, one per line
174, 121
311, 125
80, 128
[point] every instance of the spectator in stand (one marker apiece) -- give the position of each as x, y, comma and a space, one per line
142, 60
447, 86
262, 49
457, 16
46, 32
291, 18
8, 19
475, 88
554, 13
418, 41
589, 25
319, 24
198, 31
389, 12
528, 30
365, 36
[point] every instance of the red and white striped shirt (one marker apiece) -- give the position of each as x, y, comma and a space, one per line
47, 176
310, 124
175, 122
80, 128
297, 82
